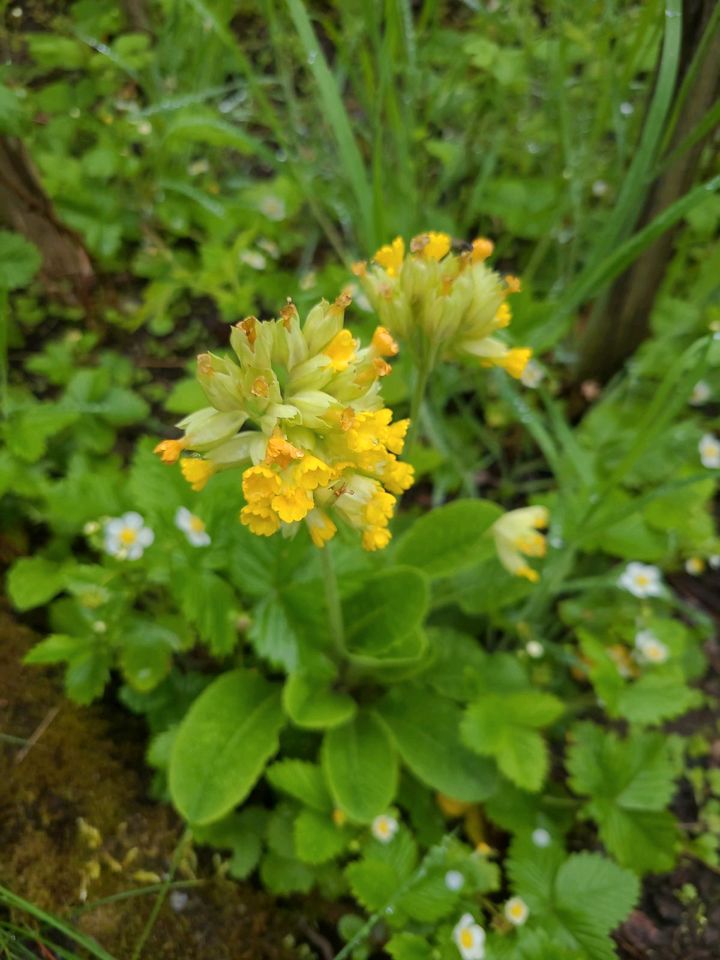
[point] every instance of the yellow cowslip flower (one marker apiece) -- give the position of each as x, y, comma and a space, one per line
197, 472
443, 304
299, 410
517, 536
169, 450
390, 256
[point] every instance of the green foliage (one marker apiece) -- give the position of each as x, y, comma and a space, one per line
223, 744
212, 179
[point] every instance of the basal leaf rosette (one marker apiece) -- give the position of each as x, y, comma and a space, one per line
299, 409
452, 304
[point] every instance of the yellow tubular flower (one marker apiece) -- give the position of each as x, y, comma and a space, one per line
482, 248
299, 411
390, 256
514, 361
516, 536
169, 450
340, 350
431, 245
262, 521
321, 527
197, 472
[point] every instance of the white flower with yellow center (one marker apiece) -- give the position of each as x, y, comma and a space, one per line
127, 537
701, 393
709, 447
469, 937
192, 526
642, 580
649, 649
517, 536
384, 828
695, 566
516, 911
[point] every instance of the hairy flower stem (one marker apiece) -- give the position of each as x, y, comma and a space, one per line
424, 368
332, 602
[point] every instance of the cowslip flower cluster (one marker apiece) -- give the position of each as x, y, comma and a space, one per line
320, 444
517, 536
454, 301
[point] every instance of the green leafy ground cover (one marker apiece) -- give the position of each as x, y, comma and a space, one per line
479, 737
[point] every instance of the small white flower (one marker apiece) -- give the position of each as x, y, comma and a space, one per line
91, 527
714, 561
709, 447
641, 579
454, 880
599, 188
541, 837
99, 626
273, 207
626, 108
516, 911
254, 259
469, 938
694, 566
127, 537
384, 828
534, 649
533, 375
649, 648
701, 394
192, 526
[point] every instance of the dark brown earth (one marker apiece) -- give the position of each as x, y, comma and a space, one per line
76, 826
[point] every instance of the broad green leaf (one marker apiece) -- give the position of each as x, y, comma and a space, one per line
387, 608
146, 654
303, 781
376, 878
505, 726
656, 697
360, 766
223, 744
313, 705
426, 729
317, 838
284, 875
56, 648
33, 581
643, 840
448, 538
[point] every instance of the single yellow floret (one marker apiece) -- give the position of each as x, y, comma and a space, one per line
375, 538
169, 450
321, 527
281, 451
391, 255
514, 361
260, 483
383, 343
341, 350
431, 245
197, 472
262, 521
311, 473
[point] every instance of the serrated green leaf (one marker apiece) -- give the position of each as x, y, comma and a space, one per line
426, 729
33, 581
19, 260
505, 726
360, 766
409, 946
223, 744
87, 675
284, 875
317, 838
372, 883
57, 648
448, 538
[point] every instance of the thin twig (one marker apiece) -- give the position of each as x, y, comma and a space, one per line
39, 731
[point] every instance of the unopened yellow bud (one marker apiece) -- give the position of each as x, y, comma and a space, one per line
169, 450
383, 343
482, 248
513, 283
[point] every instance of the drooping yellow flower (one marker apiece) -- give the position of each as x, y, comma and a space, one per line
300, 412
169, 450
452, 302
197, 472
517, 536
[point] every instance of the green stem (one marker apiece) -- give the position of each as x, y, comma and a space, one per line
184, 840
4, 323
332, 602
423, 370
